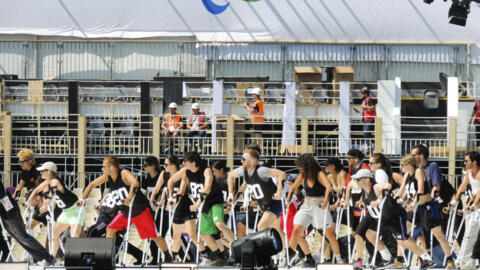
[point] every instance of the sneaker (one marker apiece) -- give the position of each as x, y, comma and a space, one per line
44, 262
398, 265
205, 262
339, 260
425, 264
450, 264
294, 260
358, 264
309, 263
385, 264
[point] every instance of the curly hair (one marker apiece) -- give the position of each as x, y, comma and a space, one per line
310, 166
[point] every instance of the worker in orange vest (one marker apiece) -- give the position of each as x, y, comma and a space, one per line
475, 120
172, 123
256, 114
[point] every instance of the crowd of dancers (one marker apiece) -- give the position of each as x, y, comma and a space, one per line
363, 214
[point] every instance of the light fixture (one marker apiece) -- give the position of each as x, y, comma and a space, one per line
458, 12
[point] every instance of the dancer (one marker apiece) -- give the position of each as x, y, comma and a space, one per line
124, 185
314, 210
207, 195
72, 217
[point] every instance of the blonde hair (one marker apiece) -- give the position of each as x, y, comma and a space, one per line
253, 153
410, 160
25, 153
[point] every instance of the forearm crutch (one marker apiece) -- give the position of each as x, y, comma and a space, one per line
255, 224
415, 208
232, 218
199, 214
372, 263
78, 219
338, 221
323, 232
467, 218
50, 227
450, 230
350, 257
285, 215
146, 243
127, 234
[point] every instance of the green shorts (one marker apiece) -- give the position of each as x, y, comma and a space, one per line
70, 216
214, 215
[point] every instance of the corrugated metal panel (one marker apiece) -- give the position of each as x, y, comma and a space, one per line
12, 57
141, 61
304, 52
49, 56
249, 68
86, 61
427, 72
241, 52
421, 53
370, 53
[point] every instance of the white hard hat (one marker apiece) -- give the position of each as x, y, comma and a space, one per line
195, 106
50, 166
363, 173
256, 91
173, 105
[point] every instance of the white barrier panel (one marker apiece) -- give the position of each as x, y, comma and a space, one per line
334, 267
13, 266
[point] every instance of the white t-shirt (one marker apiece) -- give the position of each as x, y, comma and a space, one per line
263, 172
381, 176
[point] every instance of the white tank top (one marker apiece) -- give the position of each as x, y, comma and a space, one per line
474, 183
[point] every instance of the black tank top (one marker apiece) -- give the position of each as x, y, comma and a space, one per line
222, 183
149, 183
411, 186
140, 203
367, 199
197, 185
318, 190
63, 200
262, 190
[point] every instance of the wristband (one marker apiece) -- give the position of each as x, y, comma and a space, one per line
453, 202
171, 199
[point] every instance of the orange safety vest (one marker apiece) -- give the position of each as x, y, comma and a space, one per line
173, 121
368, 115
257, 117
477, 115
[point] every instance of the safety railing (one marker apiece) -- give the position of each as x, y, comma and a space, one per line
45, 135
36, 92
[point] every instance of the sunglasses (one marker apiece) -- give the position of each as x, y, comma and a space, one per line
23, 161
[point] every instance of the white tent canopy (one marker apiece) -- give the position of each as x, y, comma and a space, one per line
369, 21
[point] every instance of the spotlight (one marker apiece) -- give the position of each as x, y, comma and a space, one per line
459, 12
257, 249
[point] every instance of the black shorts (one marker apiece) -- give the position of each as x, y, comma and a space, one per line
241, 217
428, 215
397, 226
182, 212
368, 222
158, 218
43, 217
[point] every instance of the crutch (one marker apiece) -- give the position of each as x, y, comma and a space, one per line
78, 218
255, 224
324, 232
415, 208
450, 230
124, 245
338, 221
285, 215
199, 214
50, 227
232, 218
467, 232
171, 214
350, 257
28, 216
372, 263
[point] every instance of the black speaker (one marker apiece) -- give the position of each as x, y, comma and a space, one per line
97, 253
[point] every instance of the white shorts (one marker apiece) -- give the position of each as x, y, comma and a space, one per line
313, 214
